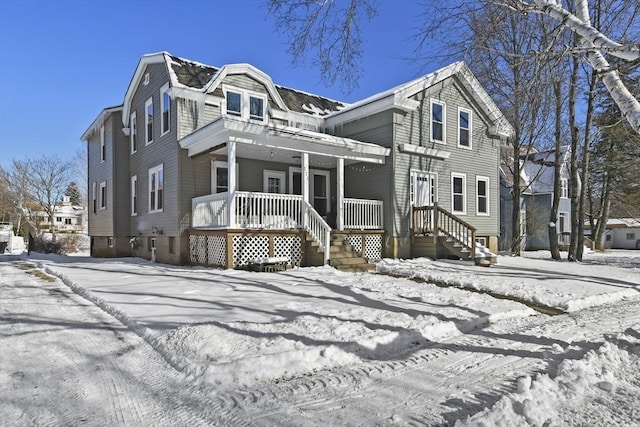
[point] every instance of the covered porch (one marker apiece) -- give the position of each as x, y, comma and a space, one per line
303, 181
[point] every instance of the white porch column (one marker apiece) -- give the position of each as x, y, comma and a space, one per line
305, 185
340, 194
231, 179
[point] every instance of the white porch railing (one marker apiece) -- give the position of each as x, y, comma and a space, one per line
209, 211
362, 214
268, 210
318, 228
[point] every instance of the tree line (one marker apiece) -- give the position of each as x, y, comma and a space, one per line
35, 185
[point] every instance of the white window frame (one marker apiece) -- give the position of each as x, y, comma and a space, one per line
485, 179
157, 207
281, 175
94, 196
133, 134
564, 188
103, 145
215, 165
165, 106
103, 196
134, 195
469, 128
245, 104
110, 242
444, 121
562, 225
148, 135
464, 193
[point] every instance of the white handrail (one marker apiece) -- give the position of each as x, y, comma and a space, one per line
318, 228
209, 211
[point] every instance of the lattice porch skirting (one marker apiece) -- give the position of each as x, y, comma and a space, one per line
236, 248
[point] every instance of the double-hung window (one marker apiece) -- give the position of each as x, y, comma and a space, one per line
133, 134
438, 114
103, 195
94, 196
148, 120
156, 188
103, 145
458, 193
482, 195
564, 188
464, 128
165, 107
134, 195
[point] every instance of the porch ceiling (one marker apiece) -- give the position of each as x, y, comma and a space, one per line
279, 144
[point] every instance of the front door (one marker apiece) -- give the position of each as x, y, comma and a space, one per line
319, 193
424, 188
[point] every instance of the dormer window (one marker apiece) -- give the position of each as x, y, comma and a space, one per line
234, 103
248, 106
256, 108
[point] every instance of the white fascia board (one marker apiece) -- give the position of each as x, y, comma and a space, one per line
251, 71
226, 129
360, 110
153, 58
424, 151
95, 125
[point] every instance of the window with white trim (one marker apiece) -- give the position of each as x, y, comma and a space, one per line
133, 134
464, 127
564, 188
220, 176
110, 241
244, 104
148, 121
103, 195
562, 222
156, 188
482, 195
94, 196
134, 195
103, 145
165, 108
273, 181
438, 114
458, 193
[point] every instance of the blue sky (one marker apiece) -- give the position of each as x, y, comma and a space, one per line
63, 61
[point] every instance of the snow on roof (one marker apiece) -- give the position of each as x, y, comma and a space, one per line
623, 222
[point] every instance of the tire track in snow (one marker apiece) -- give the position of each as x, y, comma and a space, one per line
187, 405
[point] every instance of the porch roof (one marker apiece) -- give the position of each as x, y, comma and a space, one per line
266, 140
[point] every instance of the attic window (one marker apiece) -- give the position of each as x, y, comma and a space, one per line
234, 104
248, 106
146, 79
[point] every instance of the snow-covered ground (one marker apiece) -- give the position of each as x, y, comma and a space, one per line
420, 343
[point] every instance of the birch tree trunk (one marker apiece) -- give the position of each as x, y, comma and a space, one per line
595, 43
553, 216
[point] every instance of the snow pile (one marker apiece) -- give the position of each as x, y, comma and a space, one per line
557, 284
580, 387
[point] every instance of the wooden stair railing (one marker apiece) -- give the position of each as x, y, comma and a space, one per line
435, 220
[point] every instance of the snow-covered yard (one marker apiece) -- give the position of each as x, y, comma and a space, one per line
420, 342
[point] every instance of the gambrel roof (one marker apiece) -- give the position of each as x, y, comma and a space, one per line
193, 79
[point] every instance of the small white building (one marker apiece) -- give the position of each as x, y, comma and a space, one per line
622, 233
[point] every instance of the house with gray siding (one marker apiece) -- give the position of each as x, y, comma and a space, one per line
537, 184
221, 166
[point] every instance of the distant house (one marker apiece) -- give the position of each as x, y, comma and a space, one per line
221, 166
621, 233
67, 218
537, 192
